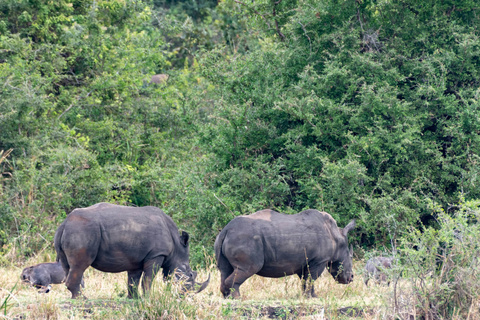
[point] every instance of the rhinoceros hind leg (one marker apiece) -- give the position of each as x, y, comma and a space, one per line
366, 279
226, 270
74, 279
234, 281
223, 288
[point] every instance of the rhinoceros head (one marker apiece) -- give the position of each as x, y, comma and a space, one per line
181, 267
341, 268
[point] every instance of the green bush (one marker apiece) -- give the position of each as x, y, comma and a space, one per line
442, 264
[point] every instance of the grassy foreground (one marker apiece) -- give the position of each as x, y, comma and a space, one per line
261, 298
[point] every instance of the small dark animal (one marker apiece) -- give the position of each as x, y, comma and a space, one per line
275, 245
114, 238
42, 275
376, 268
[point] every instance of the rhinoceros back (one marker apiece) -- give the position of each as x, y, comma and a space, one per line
277, 239
117, 238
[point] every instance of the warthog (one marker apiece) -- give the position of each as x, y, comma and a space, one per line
43, 274
376, 268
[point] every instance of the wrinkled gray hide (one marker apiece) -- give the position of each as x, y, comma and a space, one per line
272, 244
113, 238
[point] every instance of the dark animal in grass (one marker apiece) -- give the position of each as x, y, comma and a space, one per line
376, 268
113, 238
43, 274
274, 245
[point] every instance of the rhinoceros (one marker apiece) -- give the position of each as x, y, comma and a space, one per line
43, 274
376, 268
272, 244
113, 238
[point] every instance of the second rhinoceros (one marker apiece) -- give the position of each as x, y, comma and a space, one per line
113, 238
274, 245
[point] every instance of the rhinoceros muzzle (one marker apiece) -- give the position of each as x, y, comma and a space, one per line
345, 279
189, 282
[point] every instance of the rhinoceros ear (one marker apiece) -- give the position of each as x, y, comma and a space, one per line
349, 227
184, 238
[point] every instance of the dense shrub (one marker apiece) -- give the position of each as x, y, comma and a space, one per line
364, 109
358, 108
442, 265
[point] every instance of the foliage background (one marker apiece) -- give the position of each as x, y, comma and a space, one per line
364, 109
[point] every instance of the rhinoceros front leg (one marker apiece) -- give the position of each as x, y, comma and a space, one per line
308, 275
133, 282
150, 269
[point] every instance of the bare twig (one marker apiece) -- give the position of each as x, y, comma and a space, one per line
223, 204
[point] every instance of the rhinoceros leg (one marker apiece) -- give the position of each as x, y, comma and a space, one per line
78, 261
74, 279
241, 272
235, 280
133, 282
150, 269
307, 286
308, 275
224, 274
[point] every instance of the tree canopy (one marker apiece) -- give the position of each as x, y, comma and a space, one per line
366, 109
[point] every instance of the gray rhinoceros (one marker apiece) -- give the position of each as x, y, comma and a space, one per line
275, 245
113, 238
376, 268
43, 274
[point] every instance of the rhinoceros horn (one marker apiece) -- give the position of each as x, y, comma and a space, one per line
203, 285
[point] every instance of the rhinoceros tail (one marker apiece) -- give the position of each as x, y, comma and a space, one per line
222, 261
61, 257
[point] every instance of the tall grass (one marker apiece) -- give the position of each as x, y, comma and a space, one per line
436, 276
442, 268
261, 298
